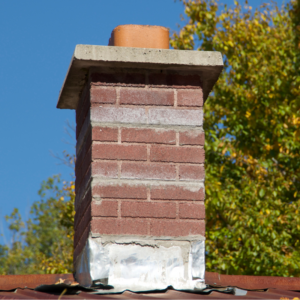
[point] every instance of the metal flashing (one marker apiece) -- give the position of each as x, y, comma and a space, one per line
140, 264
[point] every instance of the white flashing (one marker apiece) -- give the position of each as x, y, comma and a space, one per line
142, 264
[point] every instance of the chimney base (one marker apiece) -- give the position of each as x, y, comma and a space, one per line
142, 263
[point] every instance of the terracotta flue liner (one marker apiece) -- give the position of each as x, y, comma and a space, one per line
140, 36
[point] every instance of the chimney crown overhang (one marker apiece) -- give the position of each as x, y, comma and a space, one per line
207, 64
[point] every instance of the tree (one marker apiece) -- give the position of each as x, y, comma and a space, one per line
252, 135
252, 151
44, 243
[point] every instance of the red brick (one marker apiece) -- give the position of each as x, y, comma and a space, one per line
105, 208
146, 97
83, 158
148, 171
105, 169
188, 172
176, 228
171, 116
126, 152
186, 81
148, 210
116, 226
133, 226
83, 97
176, 193
80, 124
82, 110
105, 134
84, 166
177, 154
77, 183
190, 98
191, 138
82, 185
119, 79
103, 95
175, 80
85, 146
86, 217
82, 188
86, 161
105, 226
80, 211
191, 211
85, 199
159, 136
119, 114
82, 224
159, 79
120, 191
78, 247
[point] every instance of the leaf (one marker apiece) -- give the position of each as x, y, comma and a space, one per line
261, 192
45, 243
255, 95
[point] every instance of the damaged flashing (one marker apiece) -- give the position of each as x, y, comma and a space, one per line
141, 263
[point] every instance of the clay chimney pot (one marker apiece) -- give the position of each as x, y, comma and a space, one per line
140, 36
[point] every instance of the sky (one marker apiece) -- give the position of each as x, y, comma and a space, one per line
37, 40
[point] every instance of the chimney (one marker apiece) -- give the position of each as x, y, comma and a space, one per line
140, 215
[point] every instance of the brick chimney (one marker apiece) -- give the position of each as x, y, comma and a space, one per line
140, 215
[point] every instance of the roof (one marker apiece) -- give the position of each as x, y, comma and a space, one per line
62, 286
209, 63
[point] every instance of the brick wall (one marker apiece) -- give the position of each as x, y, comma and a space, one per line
140, 156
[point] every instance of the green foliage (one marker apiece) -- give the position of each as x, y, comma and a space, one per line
295, 16
252, 135
45, 243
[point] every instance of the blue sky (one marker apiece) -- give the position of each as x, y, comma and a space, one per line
37, 40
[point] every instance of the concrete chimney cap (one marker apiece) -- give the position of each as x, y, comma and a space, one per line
208, 64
